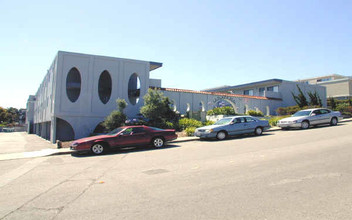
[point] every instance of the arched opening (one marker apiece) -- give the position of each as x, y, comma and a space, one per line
226, 102
64, 131
173, 105
73, 84
267, 110
99, 129
246, 109
134, 89
201, 106
104, 87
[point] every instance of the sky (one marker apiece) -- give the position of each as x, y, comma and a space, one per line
202, 44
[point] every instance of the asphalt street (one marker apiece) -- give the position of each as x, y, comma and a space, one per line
296, 174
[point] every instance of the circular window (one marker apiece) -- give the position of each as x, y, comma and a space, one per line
73, 84
134, 89
104, 87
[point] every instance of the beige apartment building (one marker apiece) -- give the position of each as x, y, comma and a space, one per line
337, 86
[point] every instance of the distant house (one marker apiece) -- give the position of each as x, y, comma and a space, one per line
273, 89
337, 86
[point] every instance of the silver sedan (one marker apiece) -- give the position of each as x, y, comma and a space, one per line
310, 117
233, 126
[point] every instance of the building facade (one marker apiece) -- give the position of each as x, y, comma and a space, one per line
337, 86
80, 90
274, 89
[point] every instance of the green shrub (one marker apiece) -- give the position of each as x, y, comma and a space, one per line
206, 123
342, 107
255, 113
345, 109
169, 125
190, 131
273, 121
226, 110
114, 120
189, 122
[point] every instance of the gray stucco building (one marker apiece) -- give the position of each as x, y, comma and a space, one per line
80, 90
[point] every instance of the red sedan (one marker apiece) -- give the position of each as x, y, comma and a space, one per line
124, 137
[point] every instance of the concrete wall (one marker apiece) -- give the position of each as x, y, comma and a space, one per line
194, 102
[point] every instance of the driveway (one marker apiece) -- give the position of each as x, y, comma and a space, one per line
18, 142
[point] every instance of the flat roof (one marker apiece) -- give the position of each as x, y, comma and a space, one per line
152, 65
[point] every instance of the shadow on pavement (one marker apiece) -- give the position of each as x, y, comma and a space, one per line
314, 127
236, 137
126, 150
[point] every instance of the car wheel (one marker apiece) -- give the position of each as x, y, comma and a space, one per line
333, 122
221, 135
158, 142
98, 149
258, 131
305, 125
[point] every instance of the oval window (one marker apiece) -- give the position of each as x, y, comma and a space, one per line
73, 84
134, 89
104, 87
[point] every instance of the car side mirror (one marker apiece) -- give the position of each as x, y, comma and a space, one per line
313, 114
232, 123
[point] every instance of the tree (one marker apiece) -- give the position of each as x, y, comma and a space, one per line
332, 103
3, 115
116, 118
314, 99
300, 99
157, 109
13, 115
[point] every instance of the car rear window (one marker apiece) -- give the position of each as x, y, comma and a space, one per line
157, 129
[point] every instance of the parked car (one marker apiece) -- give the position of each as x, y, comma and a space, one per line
233, 126
124, 137
310, 117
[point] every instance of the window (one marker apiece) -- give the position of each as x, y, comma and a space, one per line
239, 120
73, 84
324, 79
324, 111
138, 130
127, 131
104, 87
248, 119
261, 91
134, 89
248, 92
316, 112
272, 89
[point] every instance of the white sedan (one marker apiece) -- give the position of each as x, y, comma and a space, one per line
310, 117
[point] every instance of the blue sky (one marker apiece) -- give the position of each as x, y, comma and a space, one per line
201, 44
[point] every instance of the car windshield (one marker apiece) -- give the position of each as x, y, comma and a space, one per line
115, 131
301, 113
223, 121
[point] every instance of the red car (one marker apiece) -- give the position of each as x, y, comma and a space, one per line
124, 137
